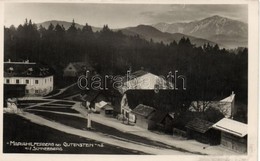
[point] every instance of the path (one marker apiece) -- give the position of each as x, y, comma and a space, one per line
98, 136
189, 145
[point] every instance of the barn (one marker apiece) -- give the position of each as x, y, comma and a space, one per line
202, 131
233, 134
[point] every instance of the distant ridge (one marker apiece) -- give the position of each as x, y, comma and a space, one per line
148, 32
65, 24
231, 33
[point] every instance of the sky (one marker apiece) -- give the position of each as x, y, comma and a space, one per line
117, 15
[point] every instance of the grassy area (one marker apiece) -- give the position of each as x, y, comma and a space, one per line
62, 102
23, 106
58, 105
32, 101
53, 92
81, 123
68, 110
19, 129
68, 92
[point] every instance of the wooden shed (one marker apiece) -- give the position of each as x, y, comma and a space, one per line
233, 134
202, 131
161, 121
143, 114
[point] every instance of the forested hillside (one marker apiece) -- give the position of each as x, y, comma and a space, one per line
207, 68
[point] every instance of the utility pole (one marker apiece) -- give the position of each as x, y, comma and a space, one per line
88, 106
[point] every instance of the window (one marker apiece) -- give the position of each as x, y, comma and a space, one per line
29, 71
36, 91
17, 81
27, 81
36, 81
50, 79
7, 81
26, 91
45, 80
10, 70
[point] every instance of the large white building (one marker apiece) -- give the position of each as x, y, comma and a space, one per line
37, 78
144, 80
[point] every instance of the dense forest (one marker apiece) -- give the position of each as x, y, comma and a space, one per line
207, 68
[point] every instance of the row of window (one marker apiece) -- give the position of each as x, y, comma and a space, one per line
27, 81
36, 91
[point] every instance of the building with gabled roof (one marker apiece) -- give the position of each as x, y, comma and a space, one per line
225, 105
233, 134
75, 69
38, 78
142, 79
142, 115
202, 131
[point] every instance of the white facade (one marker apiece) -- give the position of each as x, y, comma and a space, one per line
226, 106
125, 110
146, 81
37, 86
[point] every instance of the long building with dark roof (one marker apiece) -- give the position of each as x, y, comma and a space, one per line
37, 78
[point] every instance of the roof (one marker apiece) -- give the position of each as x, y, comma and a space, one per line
81, 66
229, 98
164, 100
139, 73
199, 125
26, 69
135, 74
101, 104
159, 116
108, 107
91, 96
143, 110
232, 127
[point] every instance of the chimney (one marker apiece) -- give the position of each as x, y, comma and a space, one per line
129, 71
9, 60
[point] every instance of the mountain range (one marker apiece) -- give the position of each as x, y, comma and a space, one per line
148, 32
65, 24
231, 33
219, 30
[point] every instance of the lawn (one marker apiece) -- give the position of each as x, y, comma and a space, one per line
53, 92
68, 110
32, 101
19, 129
63, 102
68, 92
58, 105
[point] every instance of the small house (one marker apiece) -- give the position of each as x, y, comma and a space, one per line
143, 114
202, 131
162, 121
225, 105
233, 134
76, 69
107, 110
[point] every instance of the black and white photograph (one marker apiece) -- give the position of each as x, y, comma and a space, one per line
126, 79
